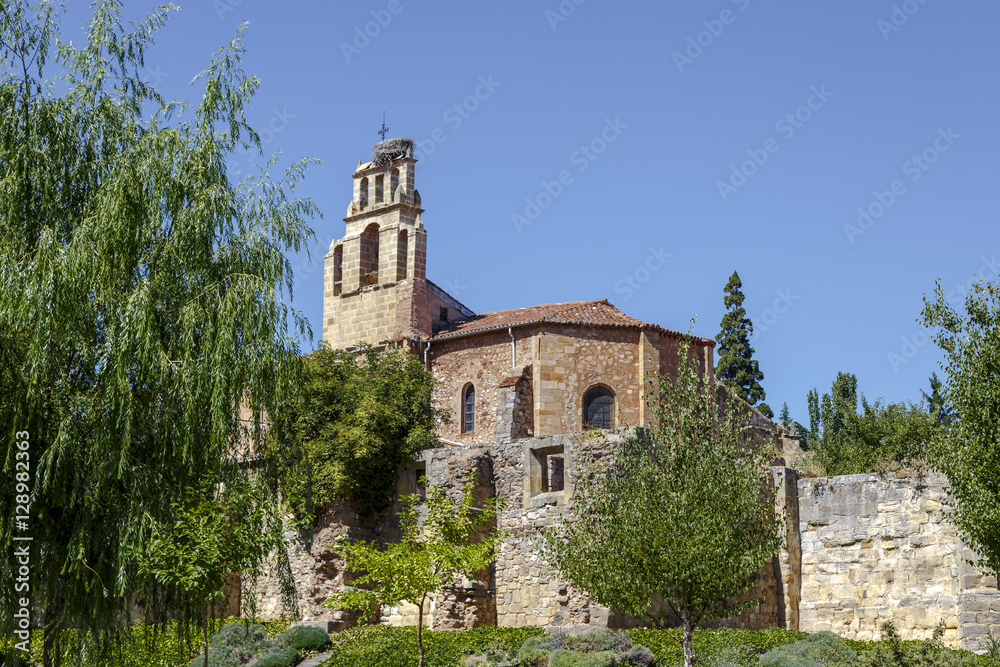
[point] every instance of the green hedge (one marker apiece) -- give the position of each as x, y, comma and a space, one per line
717, 646
397, 647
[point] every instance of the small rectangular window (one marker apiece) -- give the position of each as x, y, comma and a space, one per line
444, 314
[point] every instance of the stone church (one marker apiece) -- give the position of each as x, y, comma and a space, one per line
525, 386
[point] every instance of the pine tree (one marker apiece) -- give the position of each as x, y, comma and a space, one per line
784, 416
936, 404
736, 366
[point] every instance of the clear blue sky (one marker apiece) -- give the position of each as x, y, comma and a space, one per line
886, 82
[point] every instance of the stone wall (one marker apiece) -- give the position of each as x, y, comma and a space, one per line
879, 547
860, 550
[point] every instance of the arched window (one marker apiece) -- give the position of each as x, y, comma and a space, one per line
363, 197
369, 255
379, 188
393, 184
599, 408
469, 409
338, 269
402, 251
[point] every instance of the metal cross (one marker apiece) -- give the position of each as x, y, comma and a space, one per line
384, 129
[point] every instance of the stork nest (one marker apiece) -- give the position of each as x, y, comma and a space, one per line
390, 149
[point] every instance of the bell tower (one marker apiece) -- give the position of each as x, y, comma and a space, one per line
375, 277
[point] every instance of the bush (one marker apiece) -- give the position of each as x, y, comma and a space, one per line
564, 658
397, 647
535, 651
893, 652
278, 657
637, 656
822, 648
717, 646
305, 638
599, 639
233, 645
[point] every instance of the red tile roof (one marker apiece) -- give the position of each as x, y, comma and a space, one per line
593, 313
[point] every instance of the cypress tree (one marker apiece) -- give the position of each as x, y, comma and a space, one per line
736, 366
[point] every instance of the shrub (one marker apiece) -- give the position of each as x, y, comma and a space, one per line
599, 639
728, 646
397, 647
305, 638
233, 645
218, 656
278, 657
637, 656
535, 651
893, 652
822, 648
564, 658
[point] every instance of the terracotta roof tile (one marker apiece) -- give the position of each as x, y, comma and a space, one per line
593, 313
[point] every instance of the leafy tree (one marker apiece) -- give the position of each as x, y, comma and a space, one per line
354, 421
881, 436
815, 421
736, 365
430, 555
681, 513
936, 404
971, 457
142, 298
214, 535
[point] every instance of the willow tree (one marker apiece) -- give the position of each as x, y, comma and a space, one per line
144, 294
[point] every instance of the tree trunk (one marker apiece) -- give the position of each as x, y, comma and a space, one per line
50, 652
688, 640
206, 635
420, 630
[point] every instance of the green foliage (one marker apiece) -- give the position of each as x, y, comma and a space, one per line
893, 652
164, 645
681, 512
598, 639
565, 658
785, 417
234, 644
142, 297
397, 647
353, 422
305, 638
722, 646
736, 365
971, 458
880, 437
215, 535
822, 648
454, 539
278, 657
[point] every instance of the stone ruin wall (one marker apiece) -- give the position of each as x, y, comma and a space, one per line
861, 549
879, 547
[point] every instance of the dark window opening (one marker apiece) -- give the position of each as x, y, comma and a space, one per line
444, 314
418, 482
469, 410
553, 473
599, 409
